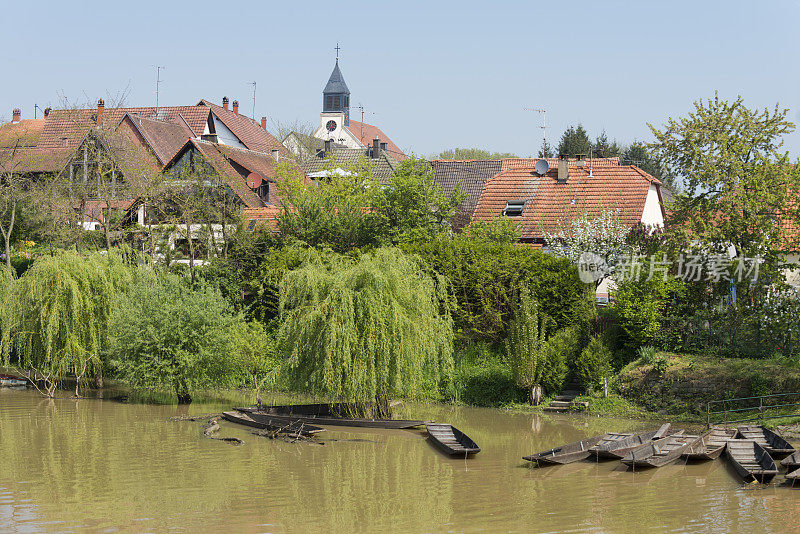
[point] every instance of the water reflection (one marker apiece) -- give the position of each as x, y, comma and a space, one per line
93, 464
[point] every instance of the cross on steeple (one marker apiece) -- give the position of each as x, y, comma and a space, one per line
337, 50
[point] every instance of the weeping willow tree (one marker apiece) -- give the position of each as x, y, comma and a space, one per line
55, 318
365, 330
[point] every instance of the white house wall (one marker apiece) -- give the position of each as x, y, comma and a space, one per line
651, 214
225, 135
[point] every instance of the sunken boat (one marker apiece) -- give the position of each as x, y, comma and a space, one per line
565, 454
658, 453
751, 460
710, 445
776, 446
293, 427
617, 446
451, 440
270, 413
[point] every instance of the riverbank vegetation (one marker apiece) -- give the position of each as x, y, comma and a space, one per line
364, 293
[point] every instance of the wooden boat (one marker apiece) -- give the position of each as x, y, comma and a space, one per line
565, 454
617, 446
262, 416
792, 462
709, 446
12, 381
293, 427
451, 440
776, 446
794, 476
659, 452
751, 460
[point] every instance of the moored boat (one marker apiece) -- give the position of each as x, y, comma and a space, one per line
565, 454
260, 415
709, 445
751, 460
451, 440
657, 453
618, 446
293, 427
792, 462
776, 446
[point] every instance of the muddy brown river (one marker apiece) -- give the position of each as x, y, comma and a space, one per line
104, 466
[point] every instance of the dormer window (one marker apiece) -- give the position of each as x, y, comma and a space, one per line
514, 208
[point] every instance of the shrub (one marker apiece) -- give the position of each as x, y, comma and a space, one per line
488, 385
639, 306
168, 334
253, 351
593, 364
484, 276
647, 354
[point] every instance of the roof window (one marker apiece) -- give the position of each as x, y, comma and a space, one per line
514, 208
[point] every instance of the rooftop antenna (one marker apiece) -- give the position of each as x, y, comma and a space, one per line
254, 100
158, 82
543, 113
361, 109
35, 108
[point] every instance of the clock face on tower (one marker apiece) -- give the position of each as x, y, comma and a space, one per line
331, 126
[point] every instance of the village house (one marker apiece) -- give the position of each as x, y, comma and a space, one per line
101, 152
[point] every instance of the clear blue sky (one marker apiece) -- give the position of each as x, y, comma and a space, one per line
435, 74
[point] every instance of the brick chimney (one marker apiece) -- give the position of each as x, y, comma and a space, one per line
376, 148
236, 106
16, 116
225, 103
563, 168
101, 106
264, 123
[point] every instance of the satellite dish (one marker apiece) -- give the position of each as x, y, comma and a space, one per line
542, 167
254, 180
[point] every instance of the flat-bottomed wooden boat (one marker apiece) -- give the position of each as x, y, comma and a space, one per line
710, 445
751, 460
260, 416
565, 454
792, 462
451, 440
617, 446
295, 428
776, 446
659, 452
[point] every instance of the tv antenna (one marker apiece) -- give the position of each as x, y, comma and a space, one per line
158, 82
35, 108
543, 113
361, 109
253, 116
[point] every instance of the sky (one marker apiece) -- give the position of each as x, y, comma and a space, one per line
431, 75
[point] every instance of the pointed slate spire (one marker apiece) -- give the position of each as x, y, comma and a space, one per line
336, 82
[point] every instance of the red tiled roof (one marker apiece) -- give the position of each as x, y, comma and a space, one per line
267, 215
247, 130
550, 204
367, 132
21, 134
164, 138
251, 160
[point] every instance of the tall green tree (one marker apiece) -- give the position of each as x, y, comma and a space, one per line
412, 205
366, 330
604, 148
574, 141
637, 153
735, 171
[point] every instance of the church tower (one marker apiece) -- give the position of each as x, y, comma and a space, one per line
336, 95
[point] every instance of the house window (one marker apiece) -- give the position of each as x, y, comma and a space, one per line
514, 208
337, 102
329, 102
346, 101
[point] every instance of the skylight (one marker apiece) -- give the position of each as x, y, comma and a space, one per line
514, 208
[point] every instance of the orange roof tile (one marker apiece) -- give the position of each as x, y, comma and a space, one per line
549, 204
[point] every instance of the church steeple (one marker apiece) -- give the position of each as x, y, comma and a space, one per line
336, 95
